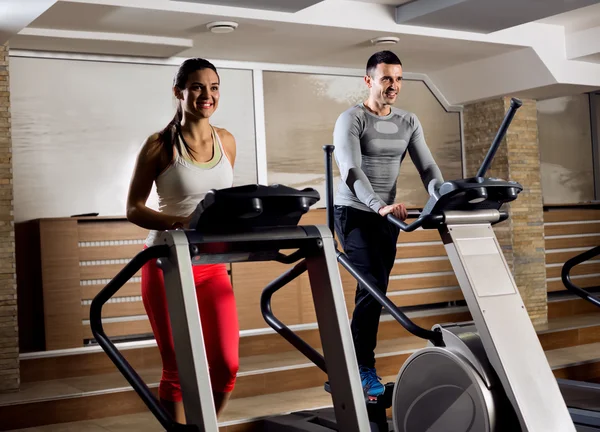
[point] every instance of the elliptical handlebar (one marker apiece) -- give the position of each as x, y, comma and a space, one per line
403, 225
566, 275
421, 219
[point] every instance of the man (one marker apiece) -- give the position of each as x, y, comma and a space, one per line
371, 139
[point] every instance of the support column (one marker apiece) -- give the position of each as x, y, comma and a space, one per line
518, 159
9, 337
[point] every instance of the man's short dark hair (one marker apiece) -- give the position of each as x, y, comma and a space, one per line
386, 57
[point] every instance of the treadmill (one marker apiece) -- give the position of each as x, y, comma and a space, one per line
582, 398
250, 223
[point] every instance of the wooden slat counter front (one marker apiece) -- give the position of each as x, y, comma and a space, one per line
571, 229
61, 264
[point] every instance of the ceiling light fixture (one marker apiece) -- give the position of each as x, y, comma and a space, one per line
222, 26
385, 40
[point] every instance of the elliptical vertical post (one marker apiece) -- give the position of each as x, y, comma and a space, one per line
329, 185
515, 104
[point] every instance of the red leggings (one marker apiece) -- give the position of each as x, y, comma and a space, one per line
219, 320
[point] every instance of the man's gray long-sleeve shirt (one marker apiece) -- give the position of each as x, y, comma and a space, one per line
369, 150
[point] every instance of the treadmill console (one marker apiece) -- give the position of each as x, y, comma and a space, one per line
251, 208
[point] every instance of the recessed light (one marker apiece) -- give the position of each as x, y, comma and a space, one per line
385, 40
222, 26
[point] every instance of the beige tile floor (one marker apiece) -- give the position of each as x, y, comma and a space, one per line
94, 383
133, 422
246, 408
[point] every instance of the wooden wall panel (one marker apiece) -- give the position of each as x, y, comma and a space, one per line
88, 292
423, 280
105, 271
418, 235
60, 279
581, 269
249, 280
569, 232
572, 242
121, 309
571, 214
422, 283
560, 257
57, 242
436, 250
579, 228
94, 253
121, 328
418, 267
585, 283
307, 306
90, 231
419, 298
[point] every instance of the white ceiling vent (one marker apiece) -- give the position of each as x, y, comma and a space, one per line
385, 40
222, 26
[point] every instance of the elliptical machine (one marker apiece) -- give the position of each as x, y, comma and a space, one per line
490, 374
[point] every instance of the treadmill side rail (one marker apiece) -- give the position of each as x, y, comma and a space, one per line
508, 336
336, 338
188, 337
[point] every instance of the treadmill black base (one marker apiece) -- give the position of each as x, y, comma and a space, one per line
321, 420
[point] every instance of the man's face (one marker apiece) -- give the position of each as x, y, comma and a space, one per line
385, 83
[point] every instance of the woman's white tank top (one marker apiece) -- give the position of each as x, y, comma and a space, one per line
184, 183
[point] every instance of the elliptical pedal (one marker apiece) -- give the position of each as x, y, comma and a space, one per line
385, 400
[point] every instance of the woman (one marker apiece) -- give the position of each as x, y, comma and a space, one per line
185, 160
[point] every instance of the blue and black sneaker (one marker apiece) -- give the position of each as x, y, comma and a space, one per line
371, 382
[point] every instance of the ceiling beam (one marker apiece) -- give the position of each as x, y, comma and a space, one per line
272, 5
482, 16
15, 15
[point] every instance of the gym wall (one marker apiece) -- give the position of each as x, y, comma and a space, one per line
79, 124
565, 136
296, 131
9, 346
77, 127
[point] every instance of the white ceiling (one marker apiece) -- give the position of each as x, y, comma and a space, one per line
483, 16
16, 14
254, 40
575, 20
274, 5
384, 2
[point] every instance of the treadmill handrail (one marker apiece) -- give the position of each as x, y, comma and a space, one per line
283, 330
130, 269
566, 275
